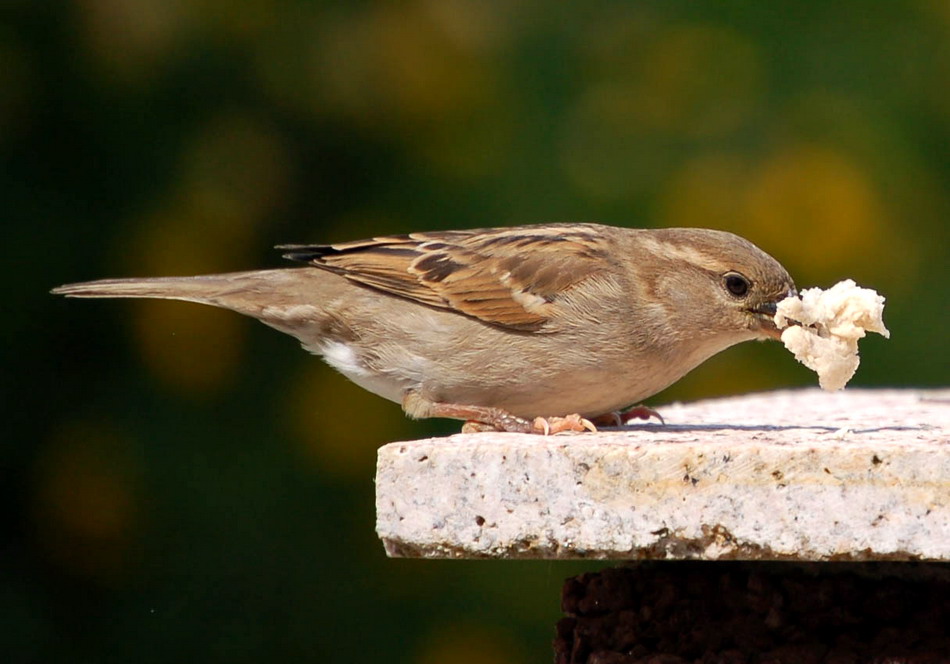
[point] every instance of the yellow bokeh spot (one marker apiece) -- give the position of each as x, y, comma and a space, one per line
84, 505
193, 349
133, 39
938, 9
810, 205
130, 39
340, 425
395, 63
419, 74
194, 234
628, 127
470, 643
818, 198
699, 80
230, 21
235, 168
708, 192
482, 27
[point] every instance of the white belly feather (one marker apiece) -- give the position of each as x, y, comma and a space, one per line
342, 358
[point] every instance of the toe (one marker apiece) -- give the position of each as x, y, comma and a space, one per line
541, 426
474, 426
642, 413
551, 425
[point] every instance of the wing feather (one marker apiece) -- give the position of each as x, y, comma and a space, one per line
510, 277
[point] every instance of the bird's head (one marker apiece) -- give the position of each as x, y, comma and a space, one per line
721, 283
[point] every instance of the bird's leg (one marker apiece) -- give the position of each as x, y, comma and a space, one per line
482, 418
617, 418
478, 418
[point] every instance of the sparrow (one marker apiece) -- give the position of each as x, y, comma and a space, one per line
541, 328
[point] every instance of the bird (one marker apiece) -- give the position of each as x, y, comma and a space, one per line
533, 329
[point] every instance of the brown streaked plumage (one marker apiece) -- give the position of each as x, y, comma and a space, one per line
531, 328
506, 277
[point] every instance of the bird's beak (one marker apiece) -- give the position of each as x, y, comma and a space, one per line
766, 313
766, 309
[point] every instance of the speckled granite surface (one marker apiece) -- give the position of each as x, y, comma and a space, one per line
797, 475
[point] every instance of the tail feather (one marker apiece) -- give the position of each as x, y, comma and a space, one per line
285, 299
248, 293
203, 289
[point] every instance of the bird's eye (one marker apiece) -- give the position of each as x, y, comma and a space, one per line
736, 284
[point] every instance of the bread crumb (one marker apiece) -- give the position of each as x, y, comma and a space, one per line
829, 324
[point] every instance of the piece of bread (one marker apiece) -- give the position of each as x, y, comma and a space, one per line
822, 328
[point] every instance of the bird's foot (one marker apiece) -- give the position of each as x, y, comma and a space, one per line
640, 412
474, 426
547, 426
544, 426
619, 418
479, 419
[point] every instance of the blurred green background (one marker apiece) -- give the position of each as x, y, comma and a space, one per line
182, 484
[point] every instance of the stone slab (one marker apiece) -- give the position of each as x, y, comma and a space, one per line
794, 475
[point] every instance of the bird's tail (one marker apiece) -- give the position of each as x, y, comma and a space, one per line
238, 291
196, 289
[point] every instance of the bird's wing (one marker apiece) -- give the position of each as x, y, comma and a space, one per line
509, 277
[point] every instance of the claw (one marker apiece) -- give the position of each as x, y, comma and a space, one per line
612, 419
640, 412
541, 426
551, 425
